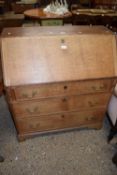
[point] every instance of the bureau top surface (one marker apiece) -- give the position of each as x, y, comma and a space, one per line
37, 55
59, 30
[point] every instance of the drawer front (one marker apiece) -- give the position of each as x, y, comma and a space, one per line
59, 121
55, 105
60, 89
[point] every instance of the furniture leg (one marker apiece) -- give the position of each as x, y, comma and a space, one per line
1, 159
112, 133
114, 159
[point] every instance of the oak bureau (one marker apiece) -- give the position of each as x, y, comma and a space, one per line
58, 78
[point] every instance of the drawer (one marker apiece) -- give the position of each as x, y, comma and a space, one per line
59, 121
60, 89
60, 104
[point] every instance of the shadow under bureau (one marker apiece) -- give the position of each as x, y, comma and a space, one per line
58, 78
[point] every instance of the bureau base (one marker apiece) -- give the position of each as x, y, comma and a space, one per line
23, 137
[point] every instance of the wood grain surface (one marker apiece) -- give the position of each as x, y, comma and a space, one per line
40, 14
53, 30
61, 104
21, 93
59, 121
58, 78
57, 58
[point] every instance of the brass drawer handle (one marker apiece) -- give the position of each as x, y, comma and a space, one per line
24, 95
92, 104
102, 87
31, 111
33, 94
34, 126
90, 118
31, 126
97, 88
